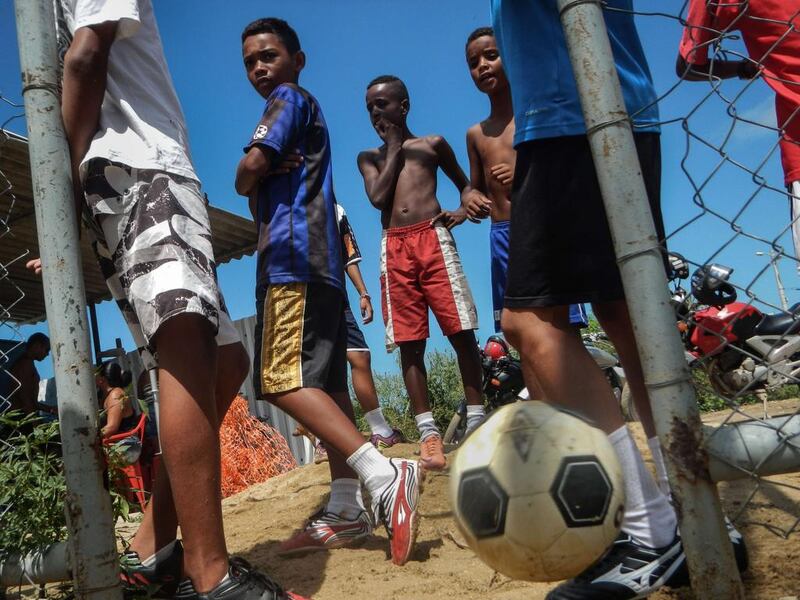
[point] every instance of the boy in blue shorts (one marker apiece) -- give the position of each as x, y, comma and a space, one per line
301, 336
490, 147
358, 354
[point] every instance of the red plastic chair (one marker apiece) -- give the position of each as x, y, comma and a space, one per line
137, 476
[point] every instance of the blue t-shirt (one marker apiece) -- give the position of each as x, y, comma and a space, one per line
534, 52
298, 237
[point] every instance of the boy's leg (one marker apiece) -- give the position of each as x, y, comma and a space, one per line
160, 521
383, 436
187, 356
301, 351
358, 355
415, 375
547, 273
616, 322
469, 365
363, 382
564, 369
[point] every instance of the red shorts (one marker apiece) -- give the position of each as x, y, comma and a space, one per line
421, 269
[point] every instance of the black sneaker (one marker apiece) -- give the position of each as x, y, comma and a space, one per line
243, 583
159, 580
627, 571
681, 576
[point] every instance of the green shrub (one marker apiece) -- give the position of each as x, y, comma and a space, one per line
32, 485
445, 392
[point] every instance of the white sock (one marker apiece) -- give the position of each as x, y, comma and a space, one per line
377, 423
372, 467
345, 500
426, 425
475, 414
661, 467
159, 555
649, 517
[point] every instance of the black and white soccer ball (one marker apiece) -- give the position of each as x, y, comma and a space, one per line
537, 492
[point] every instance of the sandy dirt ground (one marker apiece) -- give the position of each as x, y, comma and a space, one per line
441, 567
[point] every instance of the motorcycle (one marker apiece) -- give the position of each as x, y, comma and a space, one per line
742, 349
503, 382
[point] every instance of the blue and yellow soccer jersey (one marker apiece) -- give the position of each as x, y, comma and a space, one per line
298, 237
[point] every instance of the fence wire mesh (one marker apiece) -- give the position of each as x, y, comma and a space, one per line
729, 123
11, 340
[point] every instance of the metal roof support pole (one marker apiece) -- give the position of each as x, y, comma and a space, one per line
709, 553
88, 505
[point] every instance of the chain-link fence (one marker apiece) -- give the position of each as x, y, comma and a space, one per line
730, 118
728, 73
11, 339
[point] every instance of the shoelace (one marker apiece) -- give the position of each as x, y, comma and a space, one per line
430, 444
240, 568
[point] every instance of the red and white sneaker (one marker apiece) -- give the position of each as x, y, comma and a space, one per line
325, 530
396, 507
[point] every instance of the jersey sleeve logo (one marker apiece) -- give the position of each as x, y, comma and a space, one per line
260, 132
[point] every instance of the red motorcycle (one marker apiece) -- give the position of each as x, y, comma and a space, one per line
742, 349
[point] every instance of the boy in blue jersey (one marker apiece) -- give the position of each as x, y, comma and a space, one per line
491, 162
301, 336
555, 189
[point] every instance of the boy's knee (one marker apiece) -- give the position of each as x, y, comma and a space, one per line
511, 325
238, 360
359, 360
412, 351
464, 340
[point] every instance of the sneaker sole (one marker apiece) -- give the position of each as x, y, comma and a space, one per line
348, 543
403, 545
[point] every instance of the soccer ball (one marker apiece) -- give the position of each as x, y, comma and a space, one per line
537, 492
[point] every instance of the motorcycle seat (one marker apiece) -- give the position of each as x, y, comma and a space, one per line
781, 323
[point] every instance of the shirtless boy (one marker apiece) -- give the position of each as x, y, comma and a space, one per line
490, 146
420, 267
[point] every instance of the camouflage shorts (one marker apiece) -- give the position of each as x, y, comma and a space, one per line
153, 243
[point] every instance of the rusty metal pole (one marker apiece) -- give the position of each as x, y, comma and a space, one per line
708, 550
88, 504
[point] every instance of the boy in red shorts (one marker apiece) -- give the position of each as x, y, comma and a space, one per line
420, 267
771, 32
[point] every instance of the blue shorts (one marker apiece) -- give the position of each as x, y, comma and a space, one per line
498, 247
355, 338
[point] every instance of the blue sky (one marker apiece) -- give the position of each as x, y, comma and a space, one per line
348, 42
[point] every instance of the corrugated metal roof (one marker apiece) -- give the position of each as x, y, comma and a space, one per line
21, 294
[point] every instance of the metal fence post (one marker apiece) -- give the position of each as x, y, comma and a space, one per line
88, 505
708, 550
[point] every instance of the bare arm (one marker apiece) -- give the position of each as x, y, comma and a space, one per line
722, 69
114, 405
449, 164
451, 168
380, 185
478, 206
24, 398
255, 165
85, 73
354, 273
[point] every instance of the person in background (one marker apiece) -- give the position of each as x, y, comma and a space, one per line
772, 38
118, 414
490, 147
22, 372
300, 363
358, 354
420, 265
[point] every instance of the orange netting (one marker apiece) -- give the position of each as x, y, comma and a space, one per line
252, 451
